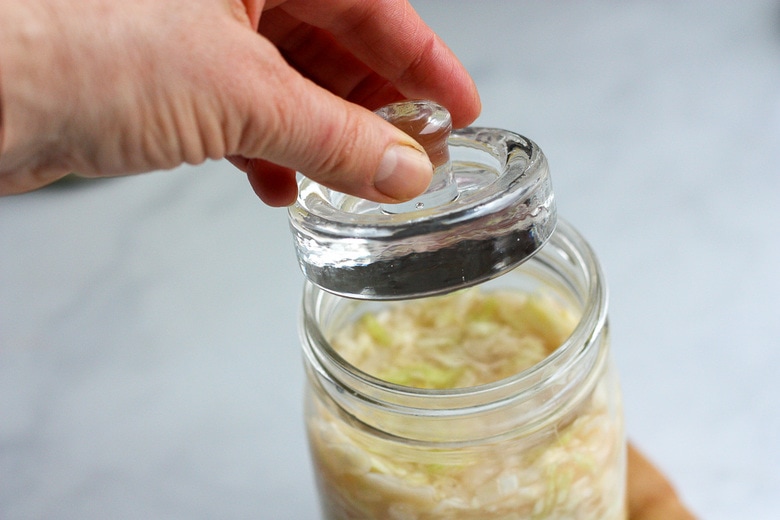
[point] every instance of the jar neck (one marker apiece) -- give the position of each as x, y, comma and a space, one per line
527, 401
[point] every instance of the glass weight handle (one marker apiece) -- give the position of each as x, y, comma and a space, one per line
430, 125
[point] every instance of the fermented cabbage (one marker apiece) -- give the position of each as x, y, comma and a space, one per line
472, 337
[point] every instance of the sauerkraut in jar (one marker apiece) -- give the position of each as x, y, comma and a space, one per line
495, 402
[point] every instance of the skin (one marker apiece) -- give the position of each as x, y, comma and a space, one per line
650, 495
104, 88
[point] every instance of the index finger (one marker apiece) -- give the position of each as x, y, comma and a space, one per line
391, 38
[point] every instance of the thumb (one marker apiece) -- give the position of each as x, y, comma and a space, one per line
338, 144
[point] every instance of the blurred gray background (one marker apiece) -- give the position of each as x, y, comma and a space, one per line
149, 360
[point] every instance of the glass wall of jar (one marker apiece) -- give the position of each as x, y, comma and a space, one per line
494, 402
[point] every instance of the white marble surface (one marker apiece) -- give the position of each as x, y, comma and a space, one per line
149, 364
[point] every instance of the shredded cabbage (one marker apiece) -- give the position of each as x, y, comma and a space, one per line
464, 339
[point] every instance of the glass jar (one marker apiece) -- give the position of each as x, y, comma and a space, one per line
547, 442
517, 415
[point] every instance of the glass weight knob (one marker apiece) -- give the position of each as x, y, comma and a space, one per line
430, 125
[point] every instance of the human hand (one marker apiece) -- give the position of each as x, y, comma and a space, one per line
105, 88
650, 495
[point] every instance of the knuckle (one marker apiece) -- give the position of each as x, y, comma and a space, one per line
342, 150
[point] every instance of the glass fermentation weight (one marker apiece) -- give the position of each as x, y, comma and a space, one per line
490, 206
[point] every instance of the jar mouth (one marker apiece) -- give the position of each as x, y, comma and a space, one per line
577, 269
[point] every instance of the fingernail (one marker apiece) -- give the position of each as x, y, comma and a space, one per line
404, 172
